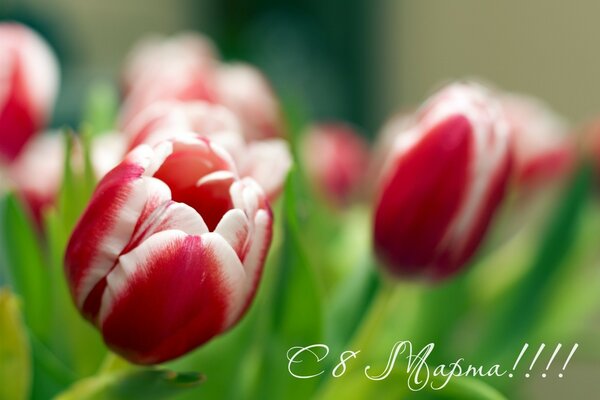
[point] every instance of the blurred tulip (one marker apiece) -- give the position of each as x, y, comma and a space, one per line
543, 151
179, 68
38, 171
156, 55
443, 183
267, 161
29, 81
162, 119
170, 249
336, 159
186, 68
245, 91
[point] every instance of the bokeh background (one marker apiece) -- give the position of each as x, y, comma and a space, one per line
358, 60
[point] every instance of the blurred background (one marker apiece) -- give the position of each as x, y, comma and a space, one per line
354, 60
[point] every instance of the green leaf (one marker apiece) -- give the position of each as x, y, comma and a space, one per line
297, 289
101, 108
15, 364
516, 319
75, 341
292, 311
75, 190
27, 269
147, 384
350, 303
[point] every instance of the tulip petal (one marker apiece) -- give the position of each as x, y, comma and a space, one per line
170, 294
267, 162
167, 216
234, 228
254, 260
429, 200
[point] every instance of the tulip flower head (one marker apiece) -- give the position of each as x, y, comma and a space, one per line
28, 85
187, 68
161, 69
170, 249
37, 172
443, 182
336, 159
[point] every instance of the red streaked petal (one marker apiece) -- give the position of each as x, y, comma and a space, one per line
423, 195
254, 260
171, 294
105, 228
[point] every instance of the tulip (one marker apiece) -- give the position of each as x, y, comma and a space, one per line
28, 86
160, 69
266, 161
186, 68
245, 91
543, 152
336, 158
158, 122
170, 249
37, 172
444, 181
153, 55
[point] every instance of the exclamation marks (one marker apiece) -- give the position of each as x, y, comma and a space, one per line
552, 359
523, 350
537, 356
575, 346
535, 359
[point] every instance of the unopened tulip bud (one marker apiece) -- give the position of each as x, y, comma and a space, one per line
29, 81
336, 159
170, 249
443, 183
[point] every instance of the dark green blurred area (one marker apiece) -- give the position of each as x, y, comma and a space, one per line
312, 51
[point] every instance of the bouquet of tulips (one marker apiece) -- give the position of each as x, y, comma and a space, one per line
202, 238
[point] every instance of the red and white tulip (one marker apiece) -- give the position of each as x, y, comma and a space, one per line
442, 184
170, 250
29, 80
187, 68
37, 172
336, 159
183, 68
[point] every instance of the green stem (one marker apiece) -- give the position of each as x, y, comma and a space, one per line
373, 324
